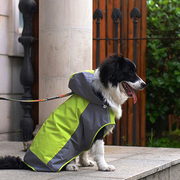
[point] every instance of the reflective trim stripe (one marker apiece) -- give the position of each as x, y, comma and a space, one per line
29, 166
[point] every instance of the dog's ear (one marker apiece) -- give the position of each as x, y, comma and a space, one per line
120, 61
104, 73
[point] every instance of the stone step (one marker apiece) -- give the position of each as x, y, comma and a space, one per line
131, 163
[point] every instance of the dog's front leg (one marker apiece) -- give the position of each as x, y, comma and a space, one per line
84, 160
98, 155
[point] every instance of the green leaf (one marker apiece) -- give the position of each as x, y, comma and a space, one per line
152, 119
160, 81
177, 72
165, 75
178, 79
171, 89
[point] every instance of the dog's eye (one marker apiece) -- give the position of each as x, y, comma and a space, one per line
131, 72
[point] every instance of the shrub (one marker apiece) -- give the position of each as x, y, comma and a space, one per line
163, 60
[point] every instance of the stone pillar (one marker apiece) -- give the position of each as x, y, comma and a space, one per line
65, 47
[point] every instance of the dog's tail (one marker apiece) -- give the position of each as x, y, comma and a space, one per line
12, 162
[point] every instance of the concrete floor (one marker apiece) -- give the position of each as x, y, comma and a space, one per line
131, 163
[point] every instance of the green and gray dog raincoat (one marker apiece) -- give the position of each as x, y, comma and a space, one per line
71, 128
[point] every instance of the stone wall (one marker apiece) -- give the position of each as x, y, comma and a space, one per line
10, 87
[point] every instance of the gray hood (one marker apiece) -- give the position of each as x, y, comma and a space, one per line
81, 84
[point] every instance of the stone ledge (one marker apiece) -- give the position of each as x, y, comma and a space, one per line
131, 163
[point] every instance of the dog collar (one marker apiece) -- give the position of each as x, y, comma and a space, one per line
100, 96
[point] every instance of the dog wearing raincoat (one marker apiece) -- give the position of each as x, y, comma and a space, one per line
81, 122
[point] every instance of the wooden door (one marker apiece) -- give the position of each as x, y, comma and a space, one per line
125, 46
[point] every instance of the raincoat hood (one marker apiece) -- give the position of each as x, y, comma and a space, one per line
81, 84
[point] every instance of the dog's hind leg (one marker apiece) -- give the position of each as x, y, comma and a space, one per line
72, 166
98, 155
84, 161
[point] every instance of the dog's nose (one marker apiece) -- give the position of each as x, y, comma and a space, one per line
143, 84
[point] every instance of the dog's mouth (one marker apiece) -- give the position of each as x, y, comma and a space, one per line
129, 91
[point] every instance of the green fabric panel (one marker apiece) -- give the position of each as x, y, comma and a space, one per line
112, 116
48, 138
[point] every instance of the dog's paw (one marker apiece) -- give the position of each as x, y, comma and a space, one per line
88, 163
106, 168
72, 167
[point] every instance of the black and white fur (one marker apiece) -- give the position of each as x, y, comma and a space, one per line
115, 80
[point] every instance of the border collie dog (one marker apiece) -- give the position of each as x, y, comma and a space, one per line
113, 82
